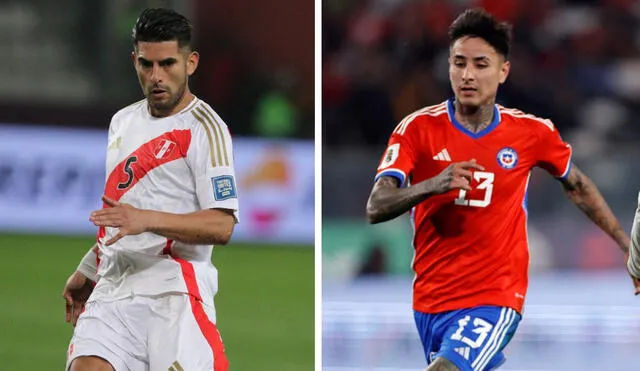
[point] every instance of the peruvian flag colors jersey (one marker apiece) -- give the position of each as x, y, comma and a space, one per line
471, 247
177, 164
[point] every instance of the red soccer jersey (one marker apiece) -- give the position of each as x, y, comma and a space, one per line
471, 247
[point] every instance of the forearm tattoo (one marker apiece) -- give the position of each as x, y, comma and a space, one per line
387, 201
584, 193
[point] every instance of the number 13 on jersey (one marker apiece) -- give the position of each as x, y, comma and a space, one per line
486, 182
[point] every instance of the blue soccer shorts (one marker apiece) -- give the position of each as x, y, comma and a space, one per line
472, 338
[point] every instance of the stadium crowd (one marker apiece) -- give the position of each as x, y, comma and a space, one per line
575, 62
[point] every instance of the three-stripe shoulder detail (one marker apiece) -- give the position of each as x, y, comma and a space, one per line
214, 130
519, 114
434, 111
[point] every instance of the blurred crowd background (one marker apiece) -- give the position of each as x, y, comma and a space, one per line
574, 62
66, 70
68, 62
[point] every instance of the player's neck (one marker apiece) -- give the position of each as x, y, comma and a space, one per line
474, 119
186, 99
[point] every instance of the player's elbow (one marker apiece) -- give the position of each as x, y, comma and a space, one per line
217, 226
223, 234
373, 217
221, 241
374, 213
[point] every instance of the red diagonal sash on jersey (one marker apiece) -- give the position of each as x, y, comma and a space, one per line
208, 328
165, 148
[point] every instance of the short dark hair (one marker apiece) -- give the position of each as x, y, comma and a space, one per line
478, 22
159, 24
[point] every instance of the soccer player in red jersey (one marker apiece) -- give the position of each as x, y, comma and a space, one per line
462, 168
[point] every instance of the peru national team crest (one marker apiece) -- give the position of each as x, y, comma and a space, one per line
507, 158
163, 148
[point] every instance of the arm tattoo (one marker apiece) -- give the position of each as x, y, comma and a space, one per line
584, 193
387, 201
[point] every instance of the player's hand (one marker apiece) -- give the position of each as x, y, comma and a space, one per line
636, 285
636, 282
76, 293
128, 219
456, 176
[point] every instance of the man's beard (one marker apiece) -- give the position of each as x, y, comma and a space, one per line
170, 103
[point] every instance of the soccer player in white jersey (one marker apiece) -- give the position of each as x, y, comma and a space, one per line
170, 195
633, 261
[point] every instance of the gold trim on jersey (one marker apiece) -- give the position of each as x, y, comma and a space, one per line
206, 130
215, 134
220, 128
176, 367
190, 106
218, 134
115, 144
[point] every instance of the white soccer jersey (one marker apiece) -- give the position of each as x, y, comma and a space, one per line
178, 164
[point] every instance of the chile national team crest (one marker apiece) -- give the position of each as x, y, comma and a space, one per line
507, 158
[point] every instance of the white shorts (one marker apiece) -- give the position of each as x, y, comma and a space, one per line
172, 332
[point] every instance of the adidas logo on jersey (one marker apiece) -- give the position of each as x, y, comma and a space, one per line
463, 352
115, 144
442, 156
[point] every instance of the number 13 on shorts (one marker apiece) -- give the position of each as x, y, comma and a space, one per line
480, 327
475, 341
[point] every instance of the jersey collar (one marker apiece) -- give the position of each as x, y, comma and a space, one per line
452, 117
189, 106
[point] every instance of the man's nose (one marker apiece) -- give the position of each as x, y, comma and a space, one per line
468, 73
155, 74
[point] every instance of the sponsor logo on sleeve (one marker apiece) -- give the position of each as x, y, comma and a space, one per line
224, 187
390, 156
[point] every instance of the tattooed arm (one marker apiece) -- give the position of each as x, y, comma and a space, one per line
584, 193
388, 201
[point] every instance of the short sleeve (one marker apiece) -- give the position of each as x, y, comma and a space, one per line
633, 263
113, 141
210, 157
399, 158
113, 129
554, 154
